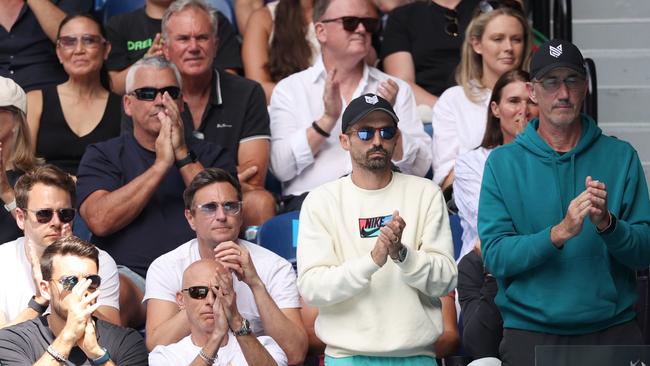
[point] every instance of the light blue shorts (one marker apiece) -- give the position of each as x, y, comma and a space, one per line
380, 361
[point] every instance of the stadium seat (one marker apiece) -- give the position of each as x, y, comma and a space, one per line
456, 234
280, 235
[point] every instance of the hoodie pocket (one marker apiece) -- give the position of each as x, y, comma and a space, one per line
565, 293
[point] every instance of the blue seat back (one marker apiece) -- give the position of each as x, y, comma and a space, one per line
114, 7
456, 234
280, 235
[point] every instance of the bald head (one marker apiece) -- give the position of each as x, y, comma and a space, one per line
200, 272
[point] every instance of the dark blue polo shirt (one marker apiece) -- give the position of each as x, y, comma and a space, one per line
161, 226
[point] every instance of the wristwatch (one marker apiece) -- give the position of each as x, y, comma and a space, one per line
189, 159
101, 359
10, 206
34, 305
401, 254
245, 329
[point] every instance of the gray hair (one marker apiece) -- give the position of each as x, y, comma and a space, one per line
319, 9
180, 5
158, 62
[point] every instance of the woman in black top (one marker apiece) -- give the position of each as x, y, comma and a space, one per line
16, 155
66, 118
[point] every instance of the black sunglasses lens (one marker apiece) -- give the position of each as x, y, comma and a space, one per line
350, 24
146, 93
452, 29
44, 216
69, 282
95, 281
387, 133
66, 215
371, 24
198, 292
365, 134
173, 91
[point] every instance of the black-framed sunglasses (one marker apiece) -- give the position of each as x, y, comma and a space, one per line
231, 208
149, 93
44, 215
198, 292
368, 133
552, 84
452, 26
486, 6
87, 40
350, 24
69, 282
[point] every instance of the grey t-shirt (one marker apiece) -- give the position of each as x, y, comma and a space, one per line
25, 343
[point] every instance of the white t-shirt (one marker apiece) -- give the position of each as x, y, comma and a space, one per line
165, 279
17, 285
184, 351
458, 126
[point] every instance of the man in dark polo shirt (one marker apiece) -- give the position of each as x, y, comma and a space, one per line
222, 108
130, 188
136, 34
27, 35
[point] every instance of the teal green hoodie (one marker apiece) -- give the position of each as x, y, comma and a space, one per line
589, 284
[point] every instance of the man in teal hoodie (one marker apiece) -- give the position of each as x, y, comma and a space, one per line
564, 219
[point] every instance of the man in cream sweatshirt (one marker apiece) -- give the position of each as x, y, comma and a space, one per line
375, 250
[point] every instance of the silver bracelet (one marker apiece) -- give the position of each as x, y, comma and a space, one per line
209, 360
56, 355
10, 206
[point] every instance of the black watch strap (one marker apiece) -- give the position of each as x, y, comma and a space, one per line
32, 304
189, 159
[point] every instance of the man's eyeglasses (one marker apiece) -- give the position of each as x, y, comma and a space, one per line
149, 93
231, 208
350, 24
87, 40
44, 215
367, 133
69, 282
198, 292
552, 84
486, 6
452, 26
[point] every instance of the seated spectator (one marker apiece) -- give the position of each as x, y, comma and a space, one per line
16, 156
508, 113
45, 199
27, 32
65, 118
496, 41
280, 40
421, 45
306, 107
222, 108
70, 334
130, 187
265, 285
137, 34
209, 300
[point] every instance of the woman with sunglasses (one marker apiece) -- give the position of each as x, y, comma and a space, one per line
508, 113
497, 40
65, 118
16, 156
279, 40
422, 44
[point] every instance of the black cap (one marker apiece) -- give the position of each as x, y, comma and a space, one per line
361, 106
556, 53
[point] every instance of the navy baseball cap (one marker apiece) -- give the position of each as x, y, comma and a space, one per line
362, 106
554, 54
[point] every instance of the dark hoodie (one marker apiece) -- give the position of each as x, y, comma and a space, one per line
589, 284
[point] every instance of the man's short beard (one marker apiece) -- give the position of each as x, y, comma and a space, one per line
375, 163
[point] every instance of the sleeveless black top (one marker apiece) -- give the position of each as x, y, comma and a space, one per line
58, 144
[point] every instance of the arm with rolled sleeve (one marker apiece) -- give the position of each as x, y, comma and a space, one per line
629, 241
416, 158
505, 252
445, 137
431, 267
322, 278
467, 186
290, 151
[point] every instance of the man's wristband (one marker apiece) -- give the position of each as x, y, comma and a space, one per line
34, 305
10, 206
189, 159
610, 227
320, 131
207, 359
101, 359
56, 355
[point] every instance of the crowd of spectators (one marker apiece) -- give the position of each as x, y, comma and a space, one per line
138, 160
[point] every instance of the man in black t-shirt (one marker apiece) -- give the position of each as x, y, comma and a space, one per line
136, 34
70, 335
222, 108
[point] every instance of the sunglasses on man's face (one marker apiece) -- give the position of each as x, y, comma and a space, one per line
198, 292
350, 24
230, 208
368, 133
149, 93
44, 215
69, 282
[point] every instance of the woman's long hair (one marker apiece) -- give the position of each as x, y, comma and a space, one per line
289, 51
493, 136
21, 155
